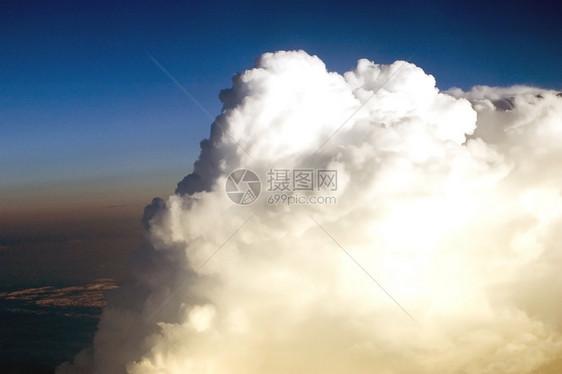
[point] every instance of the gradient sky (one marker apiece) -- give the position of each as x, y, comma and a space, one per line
88, 120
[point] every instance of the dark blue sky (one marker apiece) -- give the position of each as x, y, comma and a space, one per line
86, 115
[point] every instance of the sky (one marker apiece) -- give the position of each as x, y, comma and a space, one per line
365, 218
87, 119
91, 126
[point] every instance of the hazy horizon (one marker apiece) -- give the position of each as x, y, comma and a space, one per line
440, 119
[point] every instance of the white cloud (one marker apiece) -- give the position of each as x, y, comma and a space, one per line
450, 200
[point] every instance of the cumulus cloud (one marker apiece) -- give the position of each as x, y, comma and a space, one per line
448, 205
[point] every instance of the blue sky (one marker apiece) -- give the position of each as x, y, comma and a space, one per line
85, 115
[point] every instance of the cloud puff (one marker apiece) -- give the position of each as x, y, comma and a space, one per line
440, 255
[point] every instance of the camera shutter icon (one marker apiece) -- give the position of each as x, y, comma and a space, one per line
243, 186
